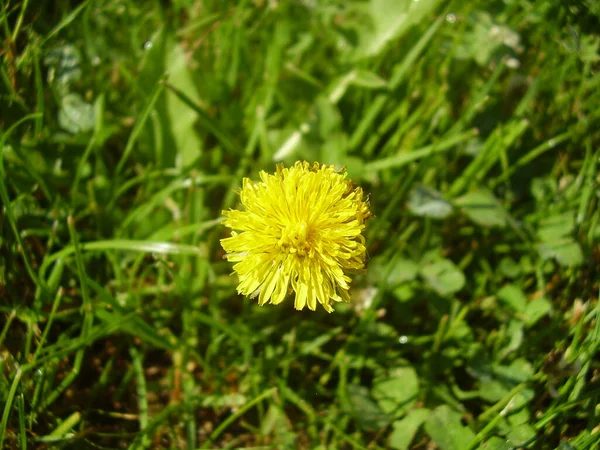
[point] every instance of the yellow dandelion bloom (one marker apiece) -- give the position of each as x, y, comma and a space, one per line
301, 231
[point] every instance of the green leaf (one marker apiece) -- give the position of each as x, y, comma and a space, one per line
403, 431
444, 426
181, 117
397, 270
403, 270
519, 417
482, 208
509, 267
520, 434
390, 19
513, 296
404, 292
516, 334
76, 115
536, 309
566, 251
397, 390
492, 390
64, 66
443, 276
519, 371
427, 202
357, 77
367, 414
556, 226
368, 79
486, 39
496, 443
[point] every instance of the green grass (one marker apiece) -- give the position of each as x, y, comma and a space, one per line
126, 128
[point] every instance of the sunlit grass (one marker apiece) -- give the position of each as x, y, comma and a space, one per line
127, 127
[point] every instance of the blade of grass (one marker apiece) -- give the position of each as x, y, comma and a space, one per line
22, 431
8, 403
126, 245
205, 121
64, 23
404, 158
144, 210
129, 322
15, 34
158, 420
86, 307
67, 381
533, 154
142, 396
9, 320
8, 205
488, 155
239, 413
55, 305
140, 123
400, 72
99, 113
65, 426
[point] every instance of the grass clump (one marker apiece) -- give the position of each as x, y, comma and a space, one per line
126, 129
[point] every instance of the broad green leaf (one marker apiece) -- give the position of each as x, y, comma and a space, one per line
393, 271
427, 202
443, 276
485, 39
76, 115
64, 66
390, 19
396, 390
364, 410
492, 390
482, 208
516, 334
520, 416
519, 371
543, 187
404, 292
444, 426
536, 309
520, 434
403, 270
403, 431
509, 267
181, 117
566, 251
513, 296
554, 227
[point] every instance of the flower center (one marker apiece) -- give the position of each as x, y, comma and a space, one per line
294, 238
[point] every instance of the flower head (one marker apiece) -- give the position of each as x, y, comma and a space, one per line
301, 231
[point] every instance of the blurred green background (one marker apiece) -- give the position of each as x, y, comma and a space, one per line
126, 128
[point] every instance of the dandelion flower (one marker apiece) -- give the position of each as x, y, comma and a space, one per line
300, 231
